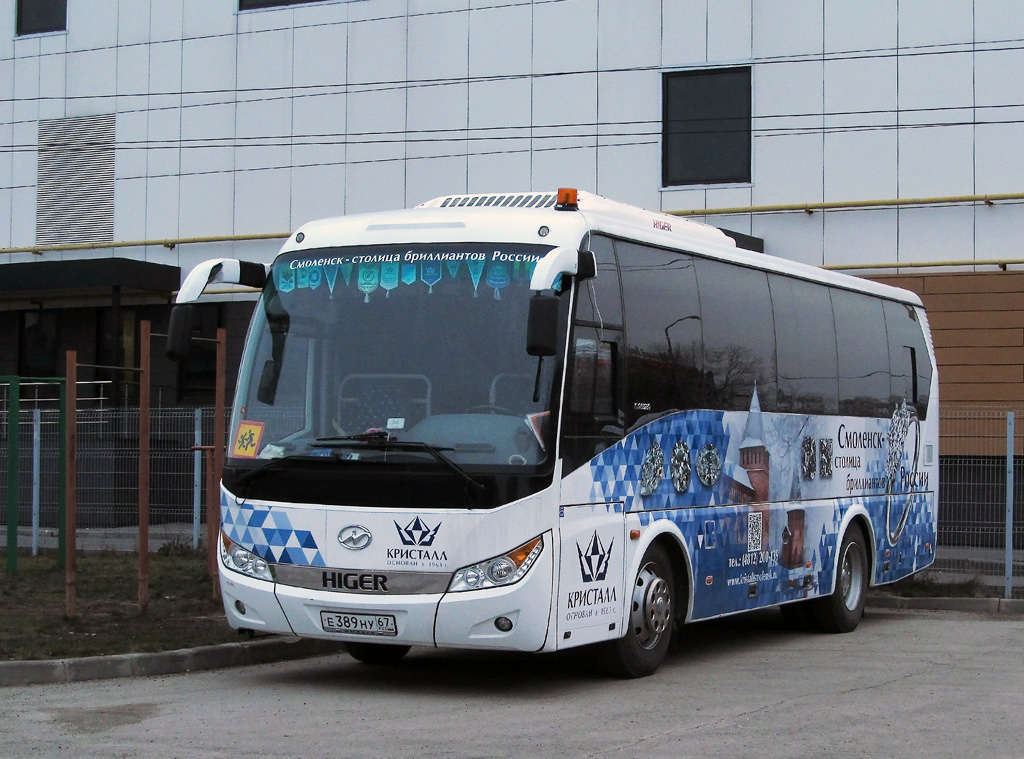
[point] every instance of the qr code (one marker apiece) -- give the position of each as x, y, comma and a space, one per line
754, 531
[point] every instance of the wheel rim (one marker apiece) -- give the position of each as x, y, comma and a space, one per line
851, 577
652, 607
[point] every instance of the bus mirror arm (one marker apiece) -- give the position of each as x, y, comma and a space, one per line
228, 271
536, 380
558, 261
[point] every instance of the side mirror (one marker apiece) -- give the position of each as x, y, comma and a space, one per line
542, 325
179, 331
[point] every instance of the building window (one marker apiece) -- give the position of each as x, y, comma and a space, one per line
39, 337
35, 16
706, 127
244, 5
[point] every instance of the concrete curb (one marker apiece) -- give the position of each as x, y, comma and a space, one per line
164, 662
976, 605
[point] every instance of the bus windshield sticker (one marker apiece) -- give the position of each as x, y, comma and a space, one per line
391, 270
498, 276
369, 278
430, 273
247, 440
389, 276
476, 268
331, 270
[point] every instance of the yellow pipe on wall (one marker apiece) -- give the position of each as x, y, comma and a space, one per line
852, 204
169, 243
809, 208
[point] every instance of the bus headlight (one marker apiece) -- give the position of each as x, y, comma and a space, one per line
243, 561
499, 571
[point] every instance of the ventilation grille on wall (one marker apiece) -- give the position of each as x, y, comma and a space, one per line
75, 189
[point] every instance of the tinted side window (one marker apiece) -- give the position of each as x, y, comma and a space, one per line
864, 387
911, 368
739, 335
663, 330
592, 420
599, 300
806, 338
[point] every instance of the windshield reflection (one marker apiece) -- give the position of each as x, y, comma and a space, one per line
421, 346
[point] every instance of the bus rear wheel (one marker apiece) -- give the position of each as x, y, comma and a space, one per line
841, 611
376, 653
652, 605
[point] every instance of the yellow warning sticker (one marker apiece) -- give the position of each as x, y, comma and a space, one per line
247, 440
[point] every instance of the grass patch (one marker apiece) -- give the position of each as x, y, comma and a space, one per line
181, 613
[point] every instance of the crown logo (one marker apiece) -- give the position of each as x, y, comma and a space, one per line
416, 533
594, 560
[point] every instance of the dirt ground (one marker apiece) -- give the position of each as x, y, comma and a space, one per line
181, 613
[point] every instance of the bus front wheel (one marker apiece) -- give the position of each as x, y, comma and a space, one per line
376, 653
650, 619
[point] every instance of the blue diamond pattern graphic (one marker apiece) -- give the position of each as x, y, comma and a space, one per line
268, 533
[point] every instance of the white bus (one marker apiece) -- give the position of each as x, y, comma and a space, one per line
538, 421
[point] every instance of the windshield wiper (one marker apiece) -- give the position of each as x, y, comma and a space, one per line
368, 436
380, 440
251, 474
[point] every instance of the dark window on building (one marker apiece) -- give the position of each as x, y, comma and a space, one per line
38, 342
663, 328
911, 369
35, 16
739, 335
863, 352
706, 127
244, 5
806, 346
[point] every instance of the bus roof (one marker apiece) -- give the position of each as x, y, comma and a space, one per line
536, 217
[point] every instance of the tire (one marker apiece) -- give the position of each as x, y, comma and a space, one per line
376, 653
841, 611
651, 618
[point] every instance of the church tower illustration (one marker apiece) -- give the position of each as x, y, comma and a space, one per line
754, 457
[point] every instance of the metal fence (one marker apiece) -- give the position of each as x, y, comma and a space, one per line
108, 470
981, 498
977, 540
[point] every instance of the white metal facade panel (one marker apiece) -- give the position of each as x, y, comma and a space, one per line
182, 75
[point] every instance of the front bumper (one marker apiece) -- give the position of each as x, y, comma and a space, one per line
458, 620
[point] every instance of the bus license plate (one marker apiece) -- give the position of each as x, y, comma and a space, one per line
358, 624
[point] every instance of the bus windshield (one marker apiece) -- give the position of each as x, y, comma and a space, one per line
397, 354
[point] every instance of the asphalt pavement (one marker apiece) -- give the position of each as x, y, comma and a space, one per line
280, 648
